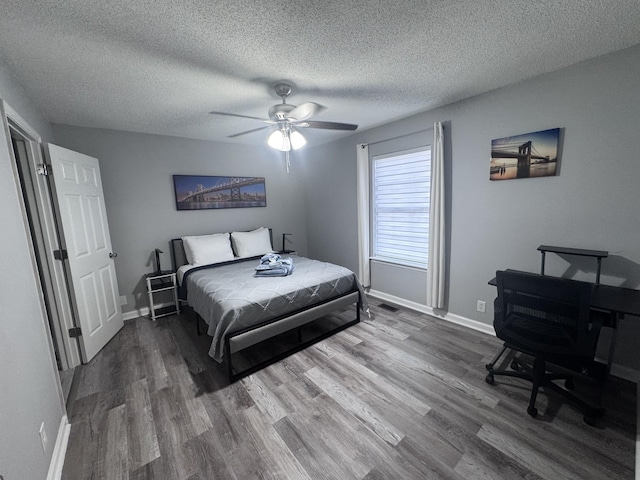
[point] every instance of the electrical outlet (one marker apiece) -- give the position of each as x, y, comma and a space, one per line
481, 306
43, 437
123, 300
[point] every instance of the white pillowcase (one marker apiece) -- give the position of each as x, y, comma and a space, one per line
206, 249
251, 244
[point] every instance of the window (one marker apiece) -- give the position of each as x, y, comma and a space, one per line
400, 207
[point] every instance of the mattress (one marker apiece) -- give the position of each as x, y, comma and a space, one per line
229, 298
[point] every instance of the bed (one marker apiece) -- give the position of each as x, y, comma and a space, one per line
216, 276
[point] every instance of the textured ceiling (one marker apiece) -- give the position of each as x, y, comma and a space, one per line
158, 66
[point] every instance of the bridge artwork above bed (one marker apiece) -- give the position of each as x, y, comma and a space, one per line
217, 278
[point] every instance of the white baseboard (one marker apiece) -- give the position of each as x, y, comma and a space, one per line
59, 450
617, 370
450, 317
627, 373
468, 322
400, 301
142, 312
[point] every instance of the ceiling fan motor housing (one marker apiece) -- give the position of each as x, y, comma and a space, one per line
280, 111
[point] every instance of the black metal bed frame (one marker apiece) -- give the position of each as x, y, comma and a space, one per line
177, 252
298, 347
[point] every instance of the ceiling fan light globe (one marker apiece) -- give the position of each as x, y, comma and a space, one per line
297, 140
279, 140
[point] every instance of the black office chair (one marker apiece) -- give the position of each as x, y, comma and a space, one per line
549, 319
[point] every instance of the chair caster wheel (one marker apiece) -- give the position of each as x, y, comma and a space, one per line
568, 384
533, 411
489, 379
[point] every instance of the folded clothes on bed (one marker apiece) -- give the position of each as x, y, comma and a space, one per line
272, 259
272, 265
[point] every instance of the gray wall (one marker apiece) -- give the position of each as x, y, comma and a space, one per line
137, 179
593, 203
29, 386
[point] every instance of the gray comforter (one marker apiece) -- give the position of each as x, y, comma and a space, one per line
229, 298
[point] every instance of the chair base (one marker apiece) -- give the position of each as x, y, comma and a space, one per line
540, 377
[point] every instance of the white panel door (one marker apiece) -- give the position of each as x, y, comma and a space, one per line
85, 231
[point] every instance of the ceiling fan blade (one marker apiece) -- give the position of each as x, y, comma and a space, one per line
240, 116
248, 131
327, 125
304, 111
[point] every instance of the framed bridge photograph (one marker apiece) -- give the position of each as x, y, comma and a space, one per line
198, 192
528, 155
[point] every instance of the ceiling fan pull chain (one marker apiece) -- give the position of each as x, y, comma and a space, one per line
286, 155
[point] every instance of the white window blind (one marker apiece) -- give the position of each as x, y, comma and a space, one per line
401, 192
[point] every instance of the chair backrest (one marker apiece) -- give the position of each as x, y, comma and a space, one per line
538, 314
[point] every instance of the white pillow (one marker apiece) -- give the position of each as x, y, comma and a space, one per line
251, 244
206, 249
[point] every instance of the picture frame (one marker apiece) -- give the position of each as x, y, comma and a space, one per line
528, 155
203, 192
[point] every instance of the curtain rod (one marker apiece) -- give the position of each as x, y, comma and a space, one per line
430, 129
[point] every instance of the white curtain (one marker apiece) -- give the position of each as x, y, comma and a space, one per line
436, 267
362, 191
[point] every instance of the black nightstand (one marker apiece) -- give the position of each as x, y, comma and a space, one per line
162, 282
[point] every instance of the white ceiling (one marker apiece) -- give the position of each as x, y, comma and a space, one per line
158, 66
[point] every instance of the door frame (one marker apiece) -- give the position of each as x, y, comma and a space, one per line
53, 274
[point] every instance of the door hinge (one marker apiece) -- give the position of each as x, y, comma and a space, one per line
75, 332
44, 169
60, 254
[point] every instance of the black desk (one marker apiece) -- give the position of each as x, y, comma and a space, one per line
618, 301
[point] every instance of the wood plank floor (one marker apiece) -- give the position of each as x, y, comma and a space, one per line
399, 396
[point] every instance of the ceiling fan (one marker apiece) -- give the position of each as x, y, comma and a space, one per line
287, 118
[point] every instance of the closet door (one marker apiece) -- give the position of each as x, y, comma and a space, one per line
86, 239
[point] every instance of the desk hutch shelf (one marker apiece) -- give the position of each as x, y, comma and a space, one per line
597, 254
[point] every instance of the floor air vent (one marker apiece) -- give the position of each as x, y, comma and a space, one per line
388, 307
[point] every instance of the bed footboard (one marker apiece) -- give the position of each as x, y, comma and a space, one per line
246, 338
